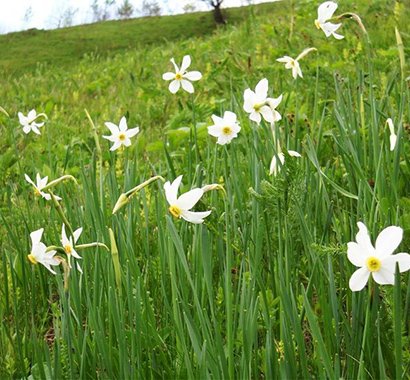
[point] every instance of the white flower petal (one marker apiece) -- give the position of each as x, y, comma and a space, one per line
115, 146
132, 132
26, 129
356, 255
393, 140
388, 240
256, 117
325, 10
123, 124
186, 62
35, 129
112, 127
29, 180
267, 114
261, 89
194, 217
174, 86
77, 234
230, 117
359, 279
363, 238
187, 86
285, 59
171, 190
175, 65
403, 259
383, 276
193, 75
32, 115
35, 236
64, 237
168, 76
189, 199
214, 130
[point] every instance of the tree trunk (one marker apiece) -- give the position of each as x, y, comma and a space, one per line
218, 16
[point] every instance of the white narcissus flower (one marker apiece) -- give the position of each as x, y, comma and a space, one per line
225, 129
39, 252
393, 136
180, 206
293, 64
378, 261
275, 166
29, 122
39, 186
69, 244
257, 103
182, 77
324, 13
120, 135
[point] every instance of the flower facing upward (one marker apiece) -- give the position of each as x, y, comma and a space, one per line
120, 135
324, 13
393, 136
39, 186
378, 261
225, 129
69, 244
29, 122
182, 77
257, 103
180, 206
38, 252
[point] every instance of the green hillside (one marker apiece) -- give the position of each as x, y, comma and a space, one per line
261, 289
65, 46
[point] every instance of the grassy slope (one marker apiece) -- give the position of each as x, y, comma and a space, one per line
23, 50
240, 307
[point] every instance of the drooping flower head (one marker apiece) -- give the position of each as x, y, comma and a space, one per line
180, 206
182, 77
393, 136
379, 260
39, 254
278, 160
29, 122
257, 103
293, 64
225, 129
39, 186
120, 135
324, 13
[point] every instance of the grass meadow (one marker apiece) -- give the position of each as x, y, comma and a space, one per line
260, 290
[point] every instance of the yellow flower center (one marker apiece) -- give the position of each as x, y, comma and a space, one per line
373, 264
178, 76
32, 258
227, 130
122, 136
257, 107
68, 249
36, 192
317, 23
175, 211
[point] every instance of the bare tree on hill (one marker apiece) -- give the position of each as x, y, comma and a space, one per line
102, 12
150, 8
125, 10
218, 15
